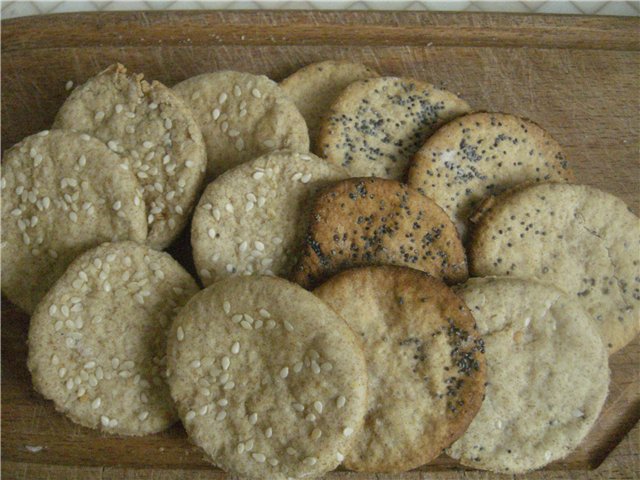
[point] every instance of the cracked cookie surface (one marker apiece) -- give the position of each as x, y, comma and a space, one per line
583, 240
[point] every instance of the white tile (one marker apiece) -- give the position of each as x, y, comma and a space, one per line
512, 7
452, 6
64, 7
19, 9
618, 8
558, 7
589, 7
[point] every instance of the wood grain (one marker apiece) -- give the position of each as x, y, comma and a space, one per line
577, 76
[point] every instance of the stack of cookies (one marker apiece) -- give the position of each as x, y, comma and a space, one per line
338, 323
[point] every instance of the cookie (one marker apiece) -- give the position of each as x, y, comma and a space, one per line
150, 126
376, 126
268, 380
315, 87
425, 361
250, 220
62, 193
481, 154
583, 240
372, 221
97, 341
242, 116
547, 376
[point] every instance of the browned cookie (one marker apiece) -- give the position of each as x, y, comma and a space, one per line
373, 221
425, 362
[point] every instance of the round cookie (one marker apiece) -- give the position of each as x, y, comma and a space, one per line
62, 193
269, 381
425, 362
376, 126
547, 376
154, 129
372, 221
242, 116
250, 220
97, 341
315, 87
481, 154
581, 239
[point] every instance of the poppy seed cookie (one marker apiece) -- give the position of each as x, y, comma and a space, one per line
481, 154
150, 126
268, 380
547, 376
372, 221
581, 239
315, 87
376, 126
62, 193
425, 362
97, 341
250, 220
242, 116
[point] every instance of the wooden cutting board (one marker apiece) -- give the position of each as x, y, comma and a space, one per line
577, 76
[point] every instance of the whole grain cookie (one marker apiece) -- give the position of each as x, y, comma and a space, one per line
154, 129
242, 116
97, 341
372, 221
582, 239
268, 380
481, 154
425, 362
62, 193
547, 375
250, 220
315, 87
376, 126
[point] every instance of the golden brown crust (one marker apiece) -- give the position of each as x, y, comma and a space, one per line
373, 221
425, 363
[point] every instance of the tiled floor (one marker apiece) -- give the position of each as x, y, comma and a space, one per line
12, 9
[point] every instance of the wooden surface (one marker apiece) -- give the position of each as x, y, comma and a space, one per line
577, 76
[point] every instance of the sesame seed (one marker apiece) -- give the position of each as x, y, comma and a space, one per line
229, 208
246, 325
224, 127
258, 457
229, 268
296, 176
240, 447
90, 365
153, 105
258, 324
62, 372
257, 175
273, 462
216, 214
527, 321
104, 420
168, 124
195, 364
203, 410
190, 415
239, 144
222, 98
117, 205
256, 93
339, 456
113, 423
58, 325
269, 143
130, 114
311, 417
253, 418
143, 416
215, 114
225, 363
268, 432
96, 403
235, 348
347, 431
233, 132
305, 178
340, 401
288, 326
237, 318
180, 334
229, 386
113, 145
315, 368
284, 373
298, 367
578, 413
499, 424
69, 85
318, 406
291, 451
54, 359
310, 461
316, 434
226, 306
212, 233
243, 246
147, 144
259, 245
547, 455
70, 384
99, 116
298, 407
52, 310
237, 91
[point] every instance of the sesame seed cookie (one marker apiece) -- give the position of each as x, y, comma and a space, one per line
242, 116
250, 219
62, 193
547, 376
269, 381
425, 362
154, 129
481, 154
583, 240
373, 221
97, 341
315, 87
376, 126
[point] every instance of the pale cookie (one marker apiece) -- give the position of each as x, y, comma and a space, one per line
376, 126
251, 220
581, 239
481, 154
315, 87
97, 341
242, 116
372, 221
154, 129
62, 193
547, 376
425, 362
268, 380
